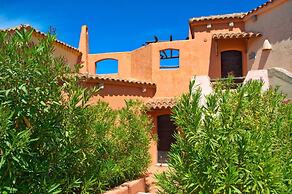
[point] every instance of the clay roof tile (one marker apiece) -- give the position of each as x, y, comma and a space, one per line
260, 7
232, 15
236, 35
160, 103
89, 77
217, 17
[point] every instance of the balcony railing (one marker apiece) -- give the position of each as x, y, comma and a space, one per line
235, 81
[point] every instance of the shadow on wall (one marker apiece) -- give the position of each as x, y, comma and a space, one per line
275, 25
264, 57
214, 70
218, 27
281, 78
124, 90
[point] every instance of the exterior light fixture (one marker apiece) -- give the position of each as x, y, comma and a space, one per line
231, 24
252, 55
209, 26
267, 45
100, 86
254, 18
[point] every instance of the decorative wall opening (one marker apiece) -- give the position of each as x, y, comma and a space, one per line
107, 66
165, 130
169, 59
231, 63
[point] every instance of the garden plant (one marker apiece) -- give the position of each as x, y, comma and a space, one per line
240, 141
51, 141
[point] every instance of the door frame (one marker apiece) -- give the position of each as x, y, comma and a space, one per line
242, 61
171, 139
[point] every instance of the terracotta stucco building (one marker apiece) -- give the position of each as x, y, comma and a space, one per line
159, 71
217, 46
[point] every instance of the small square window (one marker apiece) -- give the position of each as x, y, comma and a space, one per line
169, 59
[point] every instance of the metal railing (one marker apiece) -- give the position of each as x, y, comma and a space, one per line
236, 81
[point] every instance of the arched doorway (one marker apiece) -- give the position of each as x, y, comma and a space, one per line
166, 129
231, 63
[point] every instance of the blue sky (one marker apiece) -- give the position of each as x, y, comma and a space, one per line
115, 25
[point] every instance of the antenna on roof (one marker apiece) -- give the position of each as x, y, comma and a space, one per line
52, 30
148, 42
170, 38
155, 38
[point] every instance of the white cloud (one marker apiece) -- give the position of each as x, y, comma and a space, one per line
6, 22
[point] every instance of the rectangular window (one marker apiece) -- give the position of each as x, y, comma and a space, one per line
169, 59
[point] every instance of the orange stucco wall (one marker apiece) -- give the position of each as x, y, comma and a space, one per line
141, 63
153, 146
130, 187
198, 56
218, 46
71, 58
201, 55
116, 93
124, 63
199, 30
193, 60
144, 64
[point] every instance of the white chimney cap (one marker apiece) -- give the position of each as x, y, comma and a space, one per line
267, 45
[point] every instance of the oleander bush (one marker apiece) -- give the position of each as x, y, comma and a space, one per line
240, 141
50, 140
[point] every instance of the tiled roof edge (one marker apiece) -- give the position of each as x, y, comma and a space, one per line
232, 15
236, 35
217, 17
161, 103
106, 78
259, 7
42, 34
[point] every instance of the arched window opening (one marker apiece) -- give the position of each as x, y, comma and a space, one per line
169, 59
106, 66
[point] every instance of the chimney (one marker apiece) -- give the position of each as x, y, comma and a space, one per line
84, 48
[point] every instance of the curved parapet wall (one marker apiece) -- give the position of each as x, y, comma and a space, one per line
261, 74
204, 84
273, 77
281, 78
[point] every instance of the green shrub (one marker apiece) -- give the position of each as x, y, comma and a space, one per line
50, 140
122, 139
239, 142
